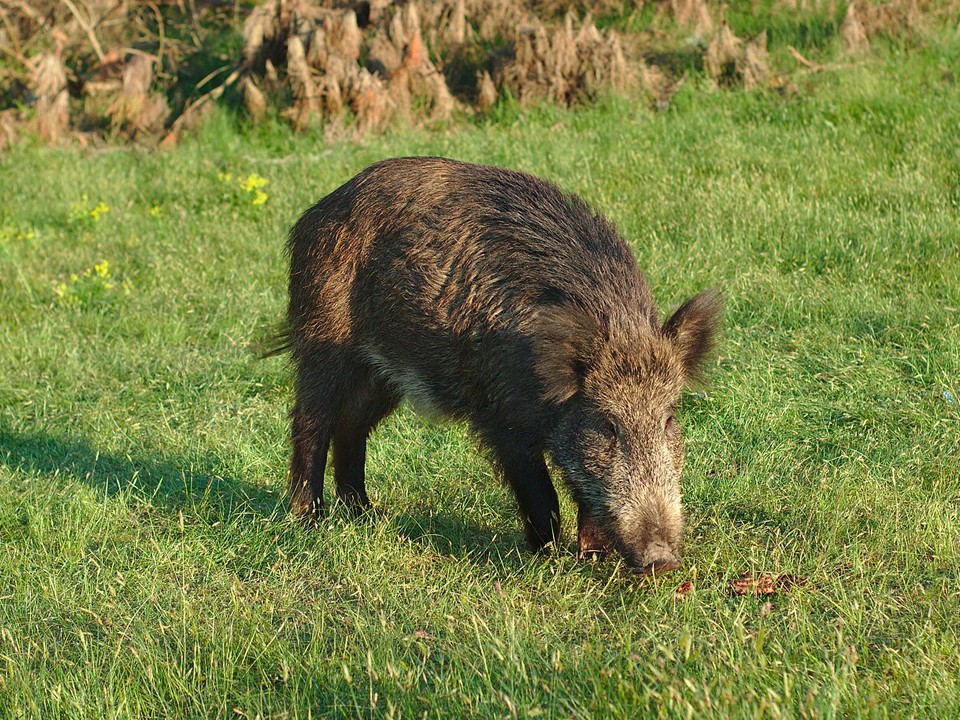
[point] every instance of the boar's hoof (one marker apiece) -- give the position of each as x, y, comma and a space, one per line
658, 567
308, 514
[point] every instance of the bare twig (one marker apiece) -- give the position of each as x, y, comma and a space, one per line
161, 31
27, 10
802, 60
175, 129
86, 27
816, 67
11, 34
210, 76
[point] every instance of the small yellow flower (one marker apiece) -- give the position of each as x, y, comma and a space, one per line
156, 211
259, 197
14, 233
253, 182
99, 210
224, 177
87, 287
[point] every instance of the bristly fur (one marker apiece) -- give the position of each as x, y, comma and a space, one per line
491, 296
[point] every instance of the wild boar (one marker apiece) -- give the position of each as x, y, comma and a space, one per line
490, 296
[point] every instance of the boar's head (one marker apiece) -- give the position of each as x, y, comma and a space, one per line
618, 441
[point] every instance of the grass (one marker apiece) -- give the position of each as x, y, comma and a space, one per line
147, 564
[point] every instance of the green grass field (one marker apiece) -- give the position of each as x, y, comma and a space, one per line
148, 567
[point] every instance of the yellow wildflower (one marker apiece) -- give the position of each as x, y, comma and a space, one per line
90, 286
253, 182
99, 210
9, 233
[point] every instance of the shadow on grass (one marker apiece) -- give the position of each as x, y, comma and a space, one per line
753, 517
174, 483
163, 481
452, 535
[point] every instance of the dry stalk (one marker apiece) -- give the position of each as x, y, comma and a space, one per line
86, 28
853, 32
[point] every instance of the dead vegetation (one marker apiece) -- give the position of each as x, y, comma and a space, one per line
79, 68
392, 66
115, 68
732, 61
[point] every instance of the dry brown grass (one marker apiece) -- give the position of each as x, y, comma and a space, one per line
48, 81
564, 64
754, 65
487, 92
136, 110
693, 15
9, 127
253, 99
322, 61
318, 61
730, 60
853, 32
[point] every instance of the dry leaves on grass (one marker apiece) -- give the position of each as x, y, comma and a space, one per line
750, 584
764, 585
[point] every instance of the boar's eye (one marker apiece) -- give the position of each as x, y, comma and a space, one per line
609, 431
670, 425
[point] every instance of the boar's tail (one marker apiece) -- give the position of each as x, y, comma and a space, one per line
274, 341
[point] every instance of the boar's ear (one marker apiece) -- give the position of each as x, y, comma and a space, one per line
693, 330
566, 342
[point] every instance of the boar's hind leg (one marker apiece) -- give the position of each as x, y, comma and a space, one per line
323, 380
527, 474
370, 401
311, 439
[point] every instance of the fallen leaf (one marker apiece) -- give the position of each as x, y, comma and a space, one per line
764, 585
683, 589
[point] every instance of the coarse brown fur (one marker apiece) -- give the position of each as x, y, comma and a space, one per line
490, 296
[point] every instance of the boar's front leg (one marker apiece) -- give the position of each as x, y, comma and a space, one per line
526, 471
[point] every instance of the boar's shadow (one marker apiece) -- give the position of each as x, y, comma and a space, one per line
161, 480
451, 535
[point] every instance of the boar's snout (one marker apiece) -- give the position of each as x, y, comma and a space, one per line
651, 528
657, 559
658, 568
